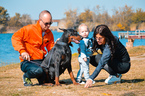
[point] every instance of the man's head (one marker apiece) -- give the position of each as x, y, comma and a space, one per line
45, 20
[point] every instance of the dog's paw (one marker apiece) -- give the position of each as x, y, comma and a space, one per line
58, 84
75, 83
48, 84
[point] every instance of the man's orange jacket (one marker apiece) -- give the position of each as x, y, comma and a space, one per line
29, 39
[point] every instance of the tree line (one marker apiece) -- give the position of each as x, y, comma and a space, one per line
123, 18
8, 23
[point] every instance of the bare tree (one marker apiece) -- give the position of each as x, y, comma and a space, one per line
123, 16
25, 19
71, 18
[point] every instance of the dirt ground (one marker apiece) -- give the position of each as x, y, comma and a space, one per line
133, 82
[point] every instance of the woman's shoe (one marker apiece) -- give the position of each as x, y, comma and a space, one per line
112, 79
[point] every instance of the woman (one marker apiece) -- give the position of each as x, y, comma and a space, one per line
114, 58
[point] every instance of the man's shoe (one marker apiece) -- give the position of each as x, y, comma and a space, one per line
113, 79
27, 81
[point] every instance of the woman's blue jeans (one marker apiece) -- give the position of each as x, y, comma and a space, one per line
113, 67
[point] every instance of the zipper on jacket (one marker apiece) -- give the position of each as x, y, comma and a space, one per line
41, 46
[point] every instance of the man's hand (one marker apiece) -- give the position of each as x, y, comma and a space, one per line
57, 40
25, 56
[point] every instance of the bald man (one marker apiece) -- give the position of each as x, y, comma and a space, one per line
30, 41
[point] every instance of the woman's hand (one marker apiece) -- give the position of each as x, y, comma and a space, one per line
88, 83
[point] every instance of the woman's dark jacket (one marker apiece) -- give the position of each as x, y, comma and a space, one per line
120, 54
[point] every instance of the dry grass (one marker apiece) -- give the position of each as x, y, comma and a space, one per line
133, 82
136, 51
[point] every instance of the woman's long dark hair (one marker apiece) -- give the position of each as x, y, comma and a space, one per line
103, 30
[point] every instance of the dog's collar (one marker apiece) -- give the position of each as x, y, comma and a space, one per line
61, 43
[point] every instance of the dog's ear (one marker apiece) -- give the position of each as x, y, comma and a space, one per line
62, 29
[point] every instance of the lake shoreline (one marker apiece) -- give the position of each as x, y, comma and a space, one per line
7, 50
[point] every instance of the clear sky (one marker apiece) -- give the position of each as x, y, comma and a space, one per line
58, 7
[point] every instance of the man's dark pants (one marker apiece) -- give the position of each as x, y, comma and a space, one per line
32, 69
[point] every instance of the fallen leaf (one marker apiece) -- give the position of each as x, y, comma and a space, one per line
106, 94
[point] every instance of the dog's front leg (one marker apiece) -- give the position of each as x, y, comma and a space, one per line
71, 75
57, 81
47, 82
57, 74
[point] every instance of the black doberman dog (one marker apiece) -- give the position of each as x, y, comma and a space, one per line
59, 57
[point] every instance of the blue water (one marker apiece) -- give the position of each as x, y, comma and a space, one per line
9, 55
